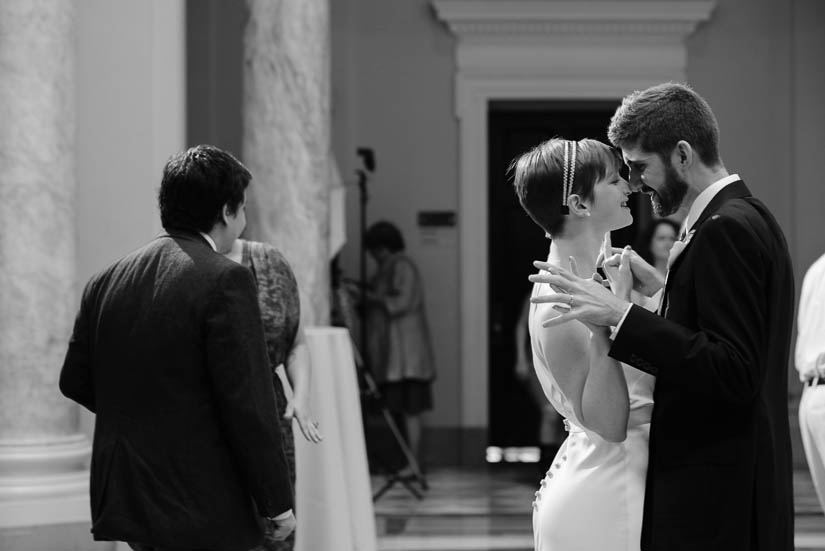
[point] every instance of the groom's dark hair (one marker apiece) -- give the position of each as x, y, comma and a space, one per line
197, 184
656, 120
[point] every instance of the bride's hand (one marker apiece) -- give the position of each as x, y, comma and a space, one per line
617, 268
646, 279
595, 330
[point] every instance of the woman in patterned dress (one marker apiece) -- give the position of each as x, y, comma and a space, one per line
281, 313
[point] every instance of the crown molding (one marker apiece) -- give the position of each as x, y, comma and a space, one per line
583, 19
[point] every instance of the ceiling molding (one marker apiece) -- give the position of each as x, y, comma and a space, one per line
637, 19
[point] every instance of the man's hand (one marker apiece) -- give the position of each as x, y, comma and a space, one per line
279, 528
587, 300
646, 279
617, 268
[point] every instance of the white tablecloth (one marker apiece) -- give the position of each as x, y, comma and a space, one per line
333, 494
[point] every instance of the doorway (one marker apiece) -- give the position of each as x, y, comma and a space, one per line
515, 241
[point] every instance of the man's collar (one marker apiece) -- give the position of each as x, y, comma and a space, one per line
209, 240
704, 199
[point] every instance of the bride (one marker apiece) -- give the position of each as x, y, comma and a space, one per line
592, 496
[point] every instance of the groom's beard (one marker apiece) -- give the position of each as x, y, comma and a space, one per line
669, 197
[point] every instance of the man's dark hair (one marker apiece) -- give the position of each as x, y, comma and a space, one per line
538, 178
384, 234
197, 184
656, 120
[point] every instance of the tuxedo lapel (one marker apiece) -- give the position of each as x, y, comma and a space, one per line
734, 190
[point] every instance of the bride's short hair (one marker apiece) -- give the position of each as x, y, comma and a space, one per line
538, 178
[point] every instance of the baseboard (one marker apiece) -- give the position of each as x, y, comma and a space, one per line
71, 508
54, 537
455, 446
441, 446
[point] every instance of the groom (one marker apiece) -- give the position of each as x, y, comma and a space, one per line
719, 474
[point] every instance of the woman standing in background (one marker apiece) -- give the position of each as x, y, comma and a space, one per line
659, 238
399, 346
281, 313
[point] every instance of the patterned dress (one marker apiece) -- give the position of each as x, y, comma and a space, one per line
281, 313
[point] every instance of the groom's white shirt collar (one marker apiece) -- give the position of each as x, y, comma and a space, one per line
699, 204
209, 240
703, 200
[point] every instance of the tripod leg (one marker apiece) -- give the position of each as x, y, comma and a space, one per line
405, 449
391, 481
375, 393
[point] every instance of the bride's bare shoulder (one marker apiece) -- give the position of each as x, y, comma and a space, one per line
559, 339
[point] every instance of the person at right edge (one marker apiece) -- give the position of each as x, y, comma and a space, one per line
719, 473
810, 363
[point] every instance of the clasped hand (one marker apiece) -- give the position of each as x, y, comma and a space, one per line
589, 300
279, 529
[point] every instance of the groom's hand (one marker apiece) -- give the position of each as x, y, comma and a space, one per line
587, 300
646, 279
617, 269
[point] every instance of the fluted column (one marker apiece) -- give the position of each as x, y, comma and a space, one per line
42, 454
286, 140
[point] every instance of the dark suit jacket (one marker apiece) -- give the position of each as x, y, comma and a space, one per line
168, 350
719, 476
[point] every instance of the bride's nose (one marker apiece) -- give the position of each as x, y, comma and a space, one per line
625, 187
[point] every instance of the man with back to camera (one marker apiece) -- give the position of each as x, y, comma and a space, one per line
168, 351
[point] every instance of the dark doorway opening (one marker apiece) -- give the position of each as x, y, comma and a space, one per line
515, 241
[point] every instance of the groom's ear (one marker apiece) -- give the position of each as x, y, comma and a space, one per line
683, 155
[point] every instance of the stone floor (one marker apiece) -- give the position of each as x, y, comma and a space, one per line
489, 509
477, 510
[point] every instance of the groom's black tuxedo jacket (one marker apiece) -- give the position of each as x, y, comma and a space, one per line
168, 351
719, 476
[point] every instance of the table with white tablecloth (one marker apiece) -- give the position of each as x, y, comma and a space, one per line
333, 495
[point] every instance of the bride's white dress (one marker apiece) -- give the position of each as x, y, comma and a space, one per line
592, 496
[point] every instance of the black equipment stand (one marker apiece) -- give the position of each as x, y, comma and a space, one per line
371, 390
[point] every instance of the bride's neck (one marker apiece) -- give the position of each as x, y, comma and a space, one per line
584, 247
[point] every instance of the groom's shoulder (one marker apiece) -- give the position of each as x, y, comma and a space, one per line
744, 220
748, 213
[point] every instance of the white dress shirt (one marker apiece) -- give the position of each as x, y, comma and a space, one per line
699, 204
209, 240
810, 339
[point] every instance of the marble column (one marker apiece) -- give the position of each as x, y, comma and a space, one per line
42, 453
286, 140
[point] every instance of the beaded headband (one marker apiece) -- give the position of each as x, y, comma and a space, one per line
570, 150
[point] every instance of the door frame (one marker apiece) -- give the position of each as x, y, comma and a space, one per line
550, 50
